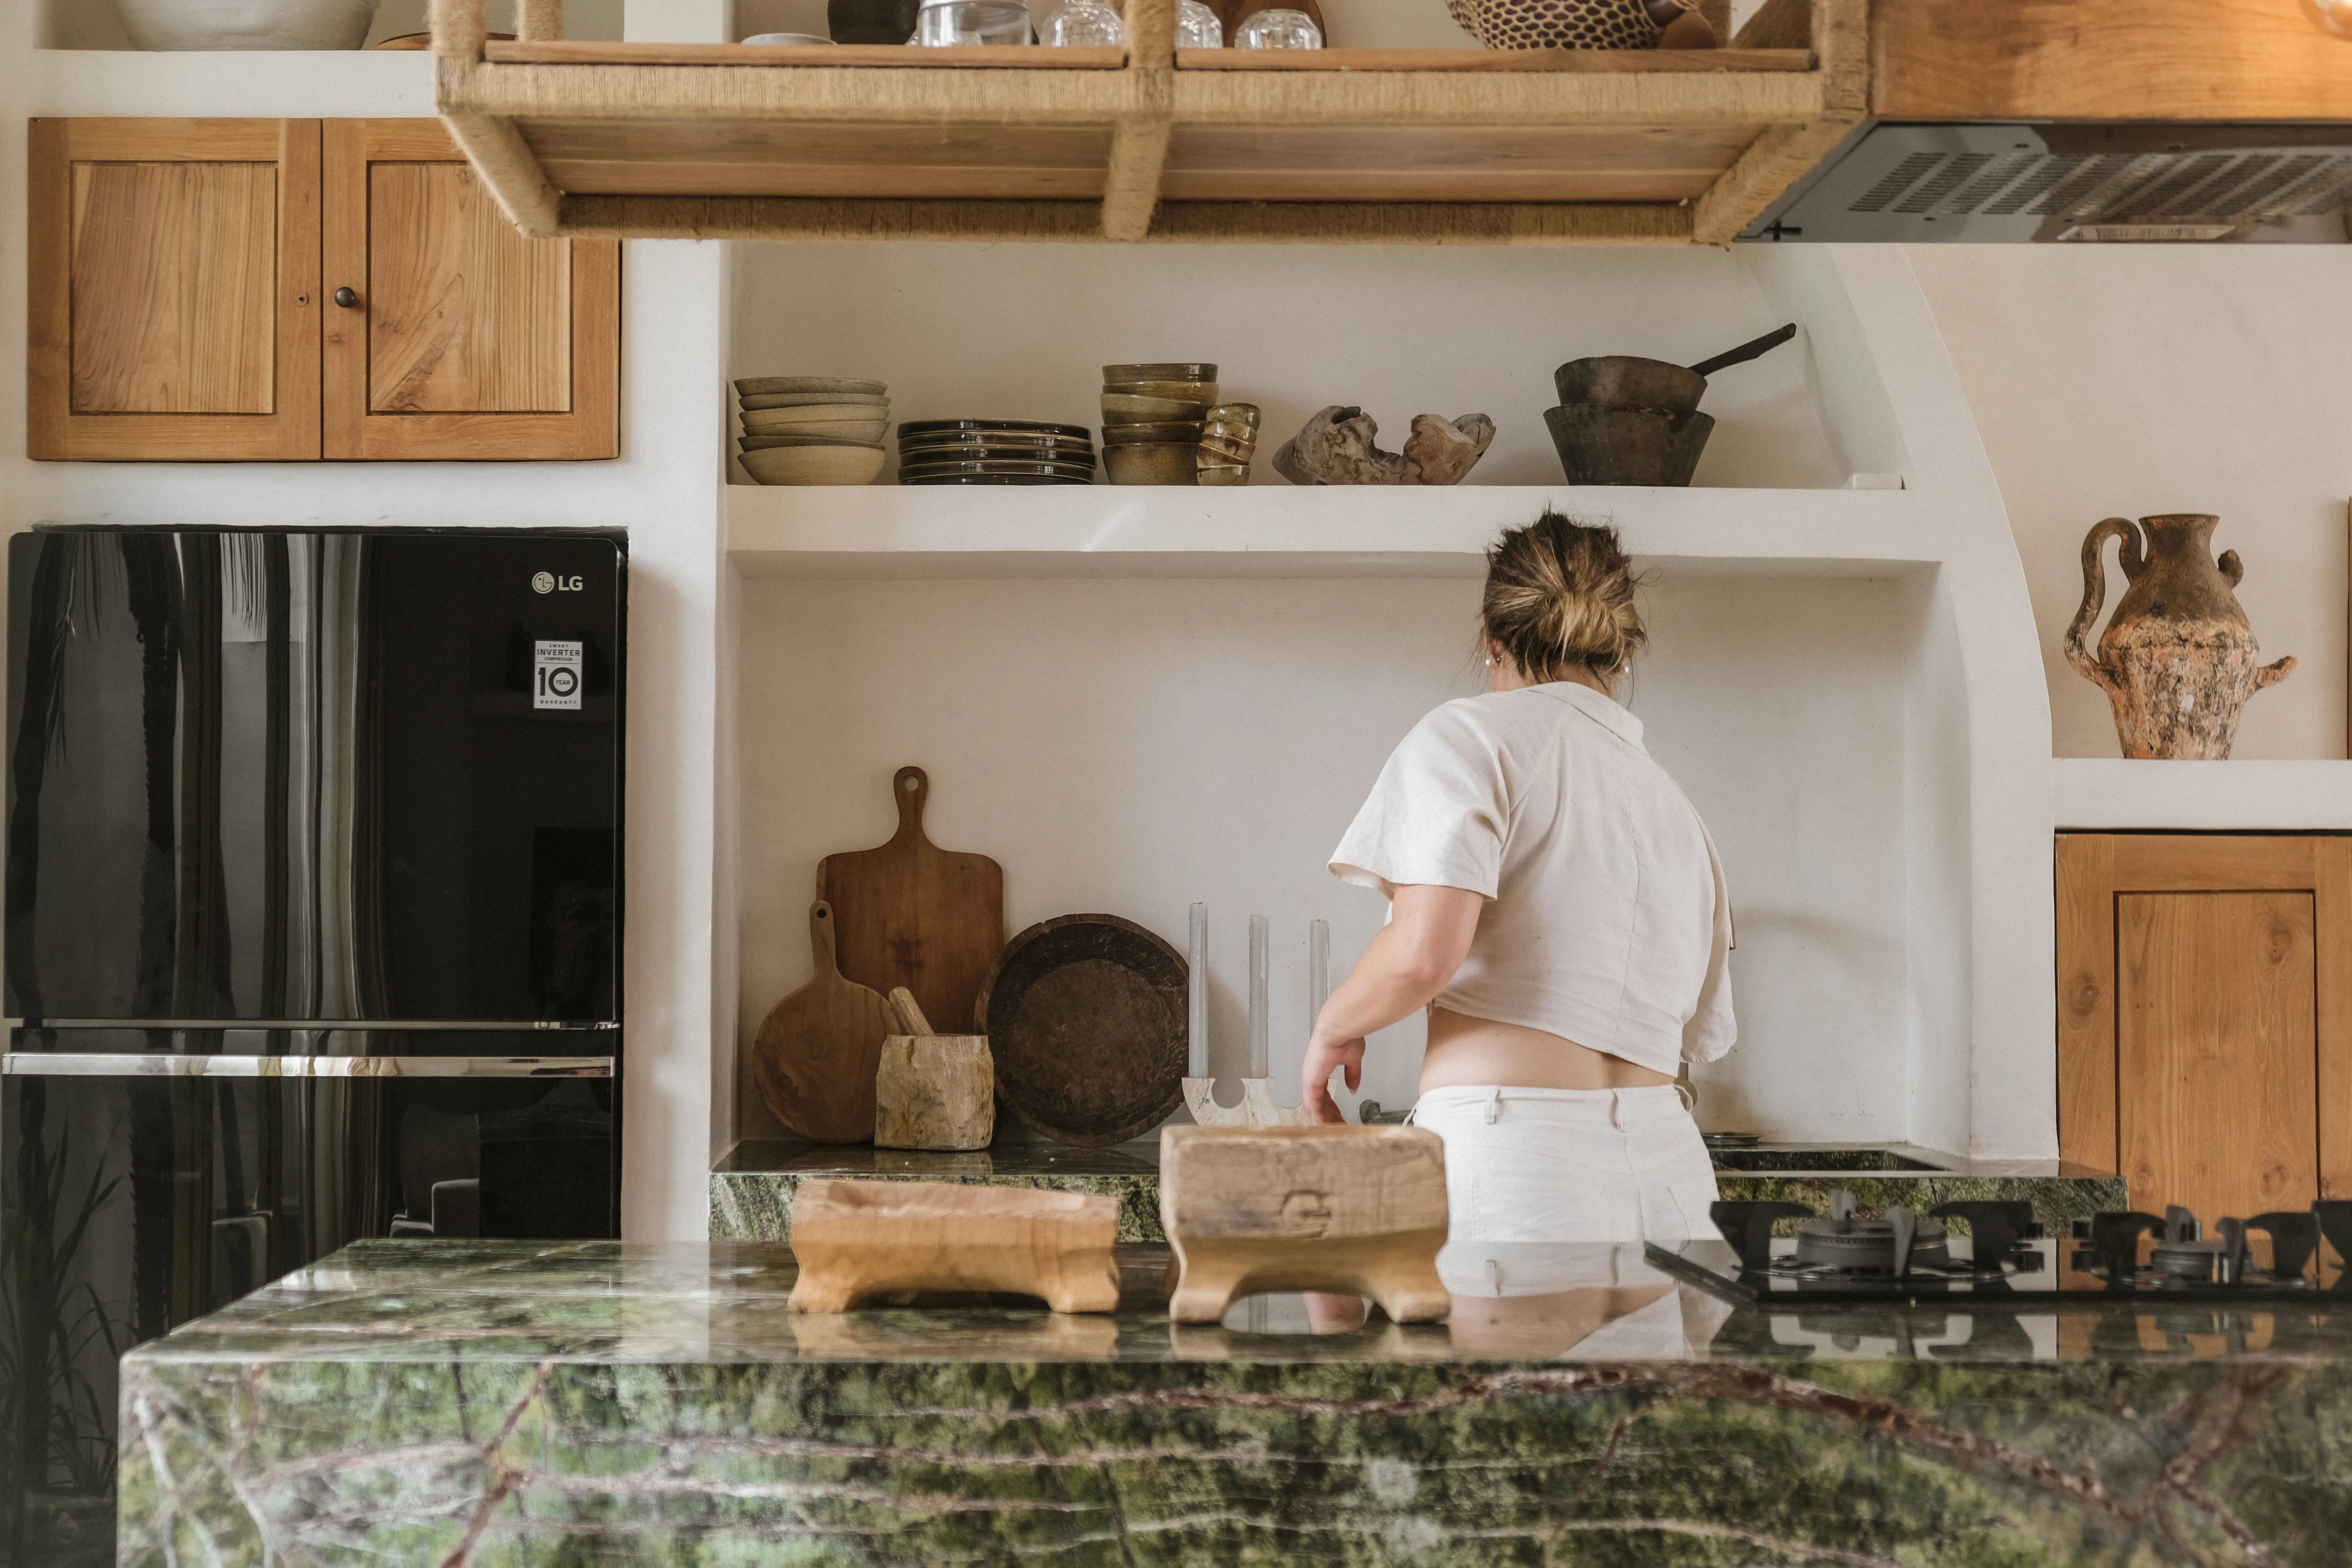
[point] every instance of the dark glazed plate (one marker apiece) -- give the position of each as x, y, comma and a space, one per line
1086, 1017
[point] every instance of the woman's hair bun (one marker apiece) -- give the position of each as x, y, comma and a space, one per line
1561, 594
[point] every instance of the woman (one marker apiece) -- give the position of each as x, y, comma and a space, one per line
1557, 906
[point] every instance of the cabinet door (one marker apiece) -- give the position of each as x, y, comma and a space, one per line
172, 289
2205, 1017
462, 339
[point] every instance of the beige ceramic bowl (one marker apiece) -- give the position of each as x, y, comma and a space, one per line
1159, 463
1188, 391
805, 399
847, 432
799, 438
812, 413
814, 464
762, 386
1191, 371
1118, 408
1187, 431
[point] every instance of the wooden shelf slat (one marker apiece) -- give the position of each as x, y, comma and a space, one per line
893, 56
1634, 62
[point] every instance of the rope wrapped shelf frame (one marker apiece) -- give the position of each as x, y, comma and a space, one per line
590, 140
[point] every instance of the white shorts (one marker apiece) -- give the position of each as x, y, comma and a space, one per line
1570, 1164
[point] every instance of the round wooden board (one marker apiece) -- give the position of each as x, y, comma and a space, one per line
1086, 1017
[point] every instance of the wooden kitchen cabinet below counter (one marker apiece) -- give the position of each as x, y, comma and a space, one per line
2205, 1017
280, 289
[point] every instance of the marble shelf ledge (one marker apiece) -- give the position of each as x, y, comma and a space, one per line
488, 1403
751, 1190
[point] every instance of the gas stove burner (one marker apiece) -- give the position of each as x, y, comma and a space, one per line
1994, 1254
1893, 1245
2183, 1256
1898, 1246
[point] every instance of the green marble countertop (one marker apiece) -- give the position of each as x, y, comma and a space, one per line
485, 1404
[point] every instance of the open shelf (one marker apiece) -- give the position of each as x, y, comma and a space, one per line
1277, 531
718, 140
2100, 792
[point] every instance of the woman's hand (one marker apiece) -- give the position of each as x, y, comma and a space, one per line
1324, 1056
1407, 965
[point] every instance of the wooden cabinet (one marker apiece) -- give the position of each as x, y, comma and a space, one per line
2205, 1017
173, 288
462, 339
225, 289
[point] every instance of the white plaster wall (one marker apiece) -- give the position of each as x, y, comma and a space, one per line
2128, 380
664, 490
1022, 332
1132, 746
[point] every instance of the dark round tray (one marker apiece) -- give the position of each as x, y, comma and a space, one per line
1087, 1017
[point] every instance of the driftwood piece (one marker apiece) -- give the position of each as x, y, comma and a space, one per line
1336, 446
1350, 1209
932, 1090
858, 1240
2177, 659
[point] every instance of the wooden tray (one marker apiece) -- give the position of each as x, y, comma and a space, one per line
1086, 1015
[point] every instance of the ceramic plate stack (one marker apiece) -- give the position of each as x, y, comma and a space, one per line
813, 429
995, 452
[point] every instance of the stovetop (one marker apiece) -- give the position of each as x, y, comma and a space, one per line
2005, 1256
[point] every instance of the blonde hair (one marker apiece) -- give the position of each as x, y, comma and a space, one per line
1561, 594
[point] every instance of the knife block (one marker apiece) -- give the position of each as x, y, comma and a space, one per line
856, 1241
1349, 1209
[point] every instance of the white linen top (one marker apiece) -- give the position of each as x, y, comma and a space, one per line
1609, 923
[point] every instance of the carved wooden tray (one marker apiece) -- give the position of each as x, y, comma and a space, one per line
1085, 1016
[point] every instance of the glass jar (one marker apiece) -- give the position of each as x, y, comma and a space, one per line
1197, 26
953, 22
1279, 29
1085, 24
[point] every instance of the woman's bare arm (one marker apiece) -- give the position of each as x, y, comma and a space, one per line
1408, 963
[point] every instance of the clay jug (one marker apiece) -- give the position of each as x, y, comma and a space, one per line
2178, 657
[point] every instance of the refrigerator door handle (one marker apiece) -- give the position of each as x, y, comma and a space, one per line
88, 1063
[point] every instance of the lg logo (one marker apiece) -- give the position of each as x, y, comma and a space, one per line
549, 582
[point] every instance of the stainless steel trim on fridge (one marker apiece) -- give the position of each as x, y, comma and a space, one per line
86, 1064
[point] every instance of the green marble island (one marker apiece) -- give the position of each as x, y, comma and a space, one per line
509, 1404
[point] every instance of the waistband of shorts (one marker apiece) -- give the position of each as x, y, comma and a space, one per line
1619, 1107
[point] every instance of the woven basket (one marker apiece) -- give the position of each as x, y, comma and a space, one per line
1557, 24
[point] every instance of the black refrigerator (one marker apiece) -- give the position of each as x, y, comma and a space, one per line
312, 934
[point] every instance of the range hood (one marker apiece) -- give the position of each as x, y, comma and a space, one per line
2071, 182
2083, 121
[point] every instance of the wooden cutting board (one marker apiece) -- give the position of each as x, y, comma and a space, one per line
814, 1058
913, 914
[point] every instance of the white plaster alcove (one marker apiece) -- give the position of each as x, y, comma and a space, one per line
1134, 698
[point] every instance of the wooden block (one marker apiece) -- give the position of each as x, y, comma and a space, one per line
1354, 1209
932, 1092
858, 1240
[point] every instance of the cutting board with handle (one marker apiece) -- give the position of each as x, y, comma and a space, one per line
814, 1058
913, 914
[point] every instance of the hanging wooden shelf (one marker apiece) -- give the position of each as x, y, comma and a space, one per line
738, 141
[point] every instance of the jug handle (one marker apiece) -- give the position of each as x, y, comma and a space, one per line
2095, 593
2231, 567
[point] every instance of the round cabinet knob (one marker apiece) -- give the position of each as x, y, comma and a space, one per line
347, 299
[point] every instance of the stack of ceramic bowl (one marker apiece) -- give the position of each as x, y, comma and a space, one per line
1228, 442
1153, 416
813, 429
994, 452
